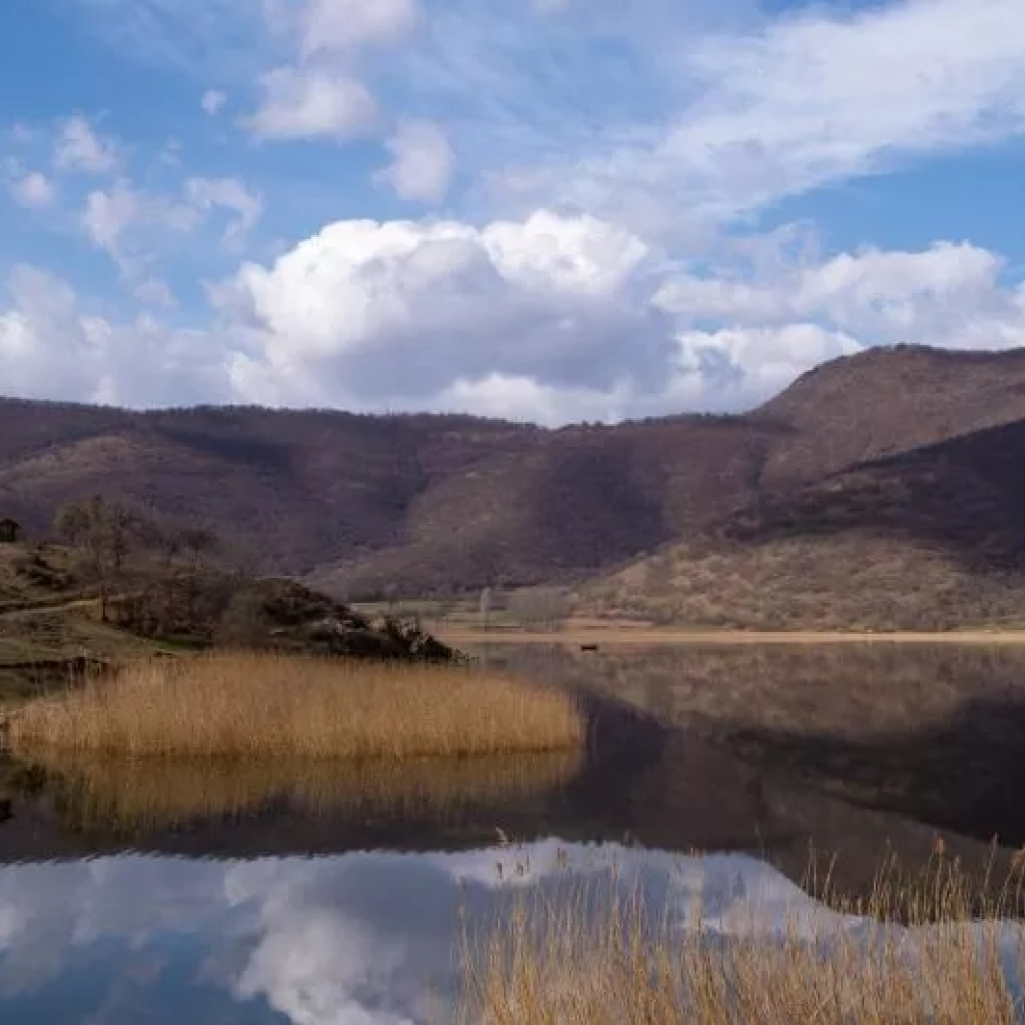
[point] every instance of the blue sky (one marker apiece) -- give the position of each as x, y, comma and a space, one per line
544, 209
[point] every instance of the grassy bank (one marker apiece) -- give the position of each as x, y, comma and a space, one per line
595, 956
252, 705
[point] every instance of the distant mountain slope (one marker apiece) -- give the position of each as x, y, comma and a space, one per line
932, 538
905, 446
885, 401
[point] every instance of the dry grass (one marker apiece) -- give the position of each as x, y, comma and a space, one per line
596, 957
253, 705
117, 793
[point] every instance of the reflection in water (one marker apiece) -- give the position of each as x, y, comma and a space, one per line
934, 732
117, 794
347, 923
364, 937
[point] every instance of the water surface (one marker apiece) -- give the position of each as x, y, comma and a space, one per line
318, 893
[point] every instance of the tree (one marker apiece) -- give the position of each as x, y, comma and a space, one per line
85, 524
106, 532
72, 523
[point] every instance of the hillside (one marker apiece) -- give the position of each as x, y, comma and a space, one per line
367, 505
930, 539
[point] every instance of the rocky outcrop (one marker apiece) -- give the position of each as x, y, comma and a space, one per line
285, 615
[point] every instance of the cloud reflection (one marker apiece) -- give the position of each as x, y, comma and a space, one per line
359, 939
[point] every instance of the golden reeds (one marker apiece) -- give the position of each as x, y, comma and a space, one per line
112, 792
250, 705
596, 955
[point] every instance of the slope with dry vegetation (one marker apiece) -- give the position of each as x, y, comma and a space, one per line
411, 505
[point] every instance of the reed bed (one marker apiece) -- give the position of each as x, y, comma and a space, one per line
596, 955
117, 793
245, 705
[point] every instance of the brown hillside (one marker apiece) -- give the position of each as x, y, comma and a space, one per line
444, 503
885, 401
931, 539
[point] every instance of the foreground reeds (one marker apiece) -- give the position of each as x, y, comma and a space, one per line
116, 793
596, 955
250, 705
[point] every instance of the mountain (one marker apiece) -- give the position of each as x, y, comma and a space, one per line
898, 455
931, 536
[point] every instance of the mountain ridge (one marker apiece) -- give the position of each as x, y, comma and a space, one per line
441, 503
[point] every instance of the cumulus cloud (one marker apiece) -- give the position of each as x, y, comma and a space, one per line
33, 189
79, 147
47, 349
949, 294
423, 162
53, 346
320, 92
346, 26
402, 310
118, 220
550, 319
231, 194
557, 318
306, 103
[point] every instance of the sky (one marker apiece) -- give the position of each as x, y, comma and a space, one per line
545, 210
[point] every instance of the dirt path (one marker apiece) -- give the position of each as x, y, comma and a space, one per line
650, 637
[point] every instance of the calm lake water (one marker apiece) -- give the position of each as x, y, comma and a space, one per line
326, 894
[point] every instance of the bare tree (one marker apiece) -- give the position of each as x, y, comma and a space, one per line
86, 524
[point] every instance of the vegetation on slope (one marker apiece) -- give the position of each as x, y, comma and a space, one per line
876, 450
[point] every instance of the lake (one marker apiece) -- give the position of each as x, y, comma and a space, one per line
152, 892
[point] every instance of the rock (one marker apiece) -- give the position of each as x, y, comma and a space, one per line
283, 614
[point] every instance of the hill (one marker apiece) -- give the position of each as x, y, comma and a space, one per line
366, 505
933, 538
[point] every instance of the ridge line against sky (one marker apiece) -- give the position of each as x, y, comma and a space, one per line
549, 210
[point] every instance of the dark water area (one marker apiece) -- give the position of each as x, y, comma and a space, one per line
934, 733
316, 893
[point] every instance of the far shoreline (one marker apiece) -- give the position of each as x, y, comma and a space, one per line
619, 637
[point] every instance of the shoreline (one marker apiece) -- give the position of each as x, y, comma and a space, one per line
653, 637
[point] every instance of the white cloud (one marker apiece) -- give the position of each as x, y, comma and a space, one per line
155, 292
423, 162
212, 101
130, 224
402, 311
232, 194
308, 103
804, 101
320, 92
47, 349
549, 319
949, 295
108, 214
79, 147
133, 226
33, 189
558, 318
347, 26
52, 346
